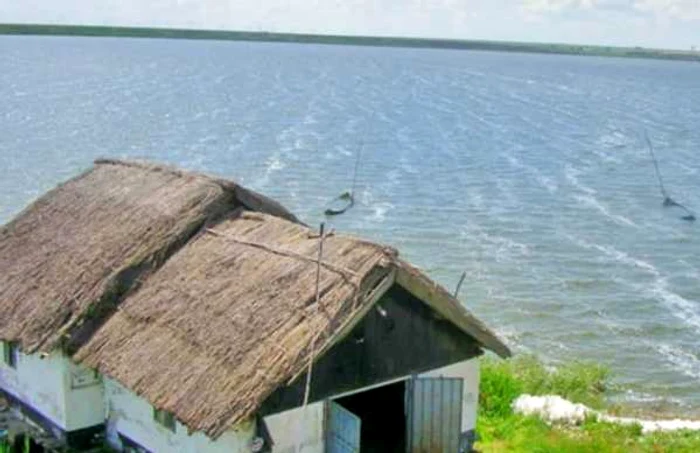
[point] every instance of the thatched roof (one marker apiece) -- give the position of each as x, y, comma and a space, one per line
168, 282
231, 317
73, 252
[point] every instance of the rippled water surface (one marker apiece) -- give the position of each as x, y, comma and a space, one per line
528, 171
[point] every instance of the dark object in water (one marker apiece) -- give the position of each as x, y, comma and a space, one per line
348, 197
350, 202
668, 201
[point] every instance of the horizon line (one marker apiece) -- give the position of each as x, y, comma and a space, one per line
160, 32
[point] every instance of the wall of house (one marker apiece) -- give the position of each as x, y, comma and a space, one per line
65, 394
401, 337
285, 430
303, 427
470, 372
84, 397
132, 417
38, 383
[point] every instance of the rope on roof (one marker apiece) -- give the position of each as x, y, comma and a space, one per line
346, 273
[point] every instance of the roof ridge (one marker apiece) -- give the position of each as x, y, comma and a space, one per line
251, 199
156, 167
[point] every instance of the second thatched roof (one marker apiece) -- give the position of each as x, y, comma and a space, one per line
232, 316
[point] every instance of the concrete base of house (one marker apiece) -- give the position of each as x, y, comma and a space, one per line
46, 432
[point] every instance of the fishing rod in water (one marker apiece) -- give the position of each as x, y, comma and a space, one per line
668, 201
348, 197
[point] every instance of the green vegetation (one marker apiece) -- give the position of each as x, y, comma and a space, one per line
500, 430
5, 447
501, 46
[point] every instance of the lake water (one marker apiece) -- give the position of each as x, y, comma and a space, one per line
529, 172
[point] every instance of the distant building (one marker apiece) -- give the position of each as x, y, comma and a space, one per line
169, 311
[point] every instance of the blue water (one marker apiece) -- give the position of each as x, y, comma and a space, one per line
529, 172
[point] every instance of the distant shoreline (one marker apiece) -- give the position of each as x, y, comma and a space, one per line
222, 35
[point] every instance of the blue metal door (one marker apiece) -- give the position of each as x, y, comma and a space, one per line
343, 430
434, 412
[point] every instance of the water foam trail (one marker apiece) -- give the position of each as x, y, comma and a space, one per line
592, 202
572, 175
681, 360
378, 208
589, 200
500, 248
617, 255
687, 169
544, 181
684, 309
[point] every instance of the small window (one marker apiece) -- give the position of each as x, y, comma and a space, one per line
83, 377
164, 418
10, 353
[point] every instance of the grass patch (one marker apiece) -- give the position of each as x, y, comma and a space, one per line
500, 430
5, 447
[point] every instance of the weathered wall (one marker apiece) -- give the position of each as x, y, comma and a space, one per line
84, 397
469, 371
67, 395
132, 416
38, 383
403, 336
286, 428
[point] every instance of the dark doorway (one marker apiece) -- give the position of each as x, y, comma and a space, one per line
383, 418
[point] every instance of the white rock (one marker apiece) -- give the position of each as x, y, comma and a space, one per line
551, 408
555, 409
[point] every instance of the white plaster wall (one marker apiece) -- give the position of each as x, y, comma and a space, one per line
84, 395
286, 428
132, 416
38, 383
45, 384
468, 370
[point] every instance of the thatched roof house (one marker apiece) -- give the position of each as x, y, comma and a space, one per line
79, 247
193, 292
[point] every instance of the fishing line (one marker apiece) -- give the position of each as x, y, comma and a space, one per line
668, 201
349, 197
